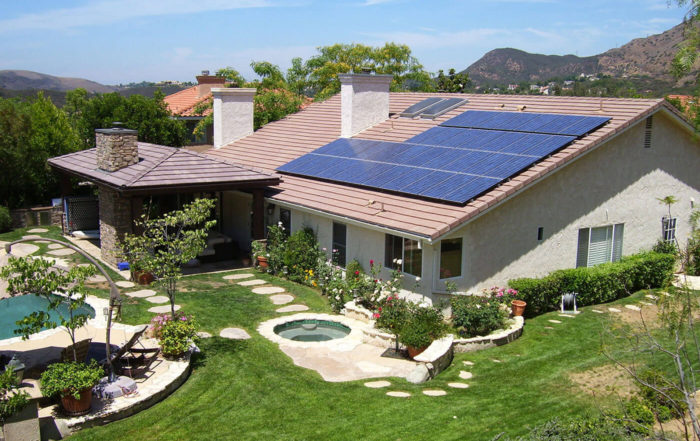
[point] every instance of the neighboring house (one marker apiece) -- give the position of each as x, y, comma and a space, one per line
592, 201
184, 106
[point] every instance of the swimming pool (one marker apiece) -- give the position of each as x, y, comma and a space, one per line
15, 308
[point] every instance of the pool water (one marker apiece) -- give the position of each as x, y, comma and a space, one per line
16, 308
312, 330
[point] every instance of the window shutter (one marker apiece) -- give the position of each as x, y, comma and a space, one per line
582, 254
600, 248
617, 242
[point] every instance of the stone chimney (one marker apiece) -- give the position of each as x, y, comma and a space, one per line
233, 114
364, 102
116, 148
205, 82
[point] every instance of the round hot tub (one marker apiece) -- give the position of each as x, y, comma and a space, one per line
312, 330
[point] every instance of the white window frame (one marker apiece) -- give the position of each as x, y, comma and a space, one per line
668, 229
616, 233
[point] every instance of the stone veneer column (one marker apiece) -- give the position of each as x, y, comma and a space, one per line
116, 148
115, 220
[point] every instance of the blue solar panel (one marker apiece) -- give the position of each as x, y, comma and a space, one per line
550, 123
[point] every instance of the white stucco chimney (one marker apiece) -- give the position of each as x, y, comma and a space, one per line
233, 114
364, 101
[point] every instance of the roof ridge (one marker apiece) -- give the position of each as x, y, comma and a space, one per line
221, 160
148, 170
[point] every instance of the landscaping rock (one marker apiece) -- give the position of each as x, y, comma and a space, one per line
457, 385
268, 290
203, 334
281, 299
125, 284
464, 375
163, 309
293, 308
377, 384
238, 276
158, 299
55, 246
420, 374
434, 392
252, 282
633, 307
61, 252
234, 334
38, 230
141, 293
398, 394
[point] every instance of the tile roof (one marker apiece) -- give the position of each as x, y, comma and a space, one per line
279, 142
164, 168
182, 103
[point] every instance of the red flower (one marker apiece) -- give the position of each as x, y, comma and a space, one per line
371, 262
380, 309
357, 273
376, 315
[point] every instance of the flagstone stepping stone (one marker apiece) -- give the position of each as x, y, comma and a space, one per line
496, 360
377, 384
554, 321
268, 290
55, 246
468, 363
234, 334
38, 230
61, 252
398, 394
31, 236
125, 284
614, 310
97, 278
293, 308
141, 293
163, 309
665, 294
457, 385
252, 282
464, 375
598, 311
434, 392
281, 299
203, 334
548, 327
647, 304
23, 249
158, 299
567, 315
238, 276
651, 296
633, 307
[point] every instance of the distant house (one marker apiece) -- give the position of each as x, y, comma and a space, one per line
534, 88
184, 105
512, 86
514, 186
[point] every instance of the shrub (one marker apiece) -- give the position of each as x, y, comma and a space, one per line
301, 254
11, 400
586, 428
597, 284
70, 378
5, 219
477, 315
665, 247
422, 325
391, 313
666, 405
175, 335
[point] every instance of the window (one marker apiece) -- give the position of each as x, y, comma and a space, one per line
599, 245
286, 220
450, 258
403, 254
340, 237
668, 229
540, 234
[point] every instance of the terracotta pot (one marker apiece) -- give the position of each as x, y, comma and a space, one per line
262, 262
143, 277
413, 352
73, 407
518, 307
245, 261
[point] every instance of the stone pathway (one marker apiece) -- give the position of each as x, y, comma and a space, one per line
238, 276
162, 309
292, 308
55, 246
496, 360
571, 316
434, 392
97, 278
61, 252
398, 394
252, 282
23, 249
633, 307
268, 290
234, 334
377, 384
614, 310
125, 284
203, 334
548, 327
468, 363
38, 230
281, 299
457, 385
598, 311
158, 299
651, 296
647, 304
554, 321
31, 237
464, 375
141, 293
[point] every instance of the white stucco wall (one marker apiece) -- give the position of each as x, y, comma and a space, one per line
619, 182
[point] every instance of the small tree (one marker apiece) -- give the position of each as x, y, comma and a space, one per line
57, 286
167, 243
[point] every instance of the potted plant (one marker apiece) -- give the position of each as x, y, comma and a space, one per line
259, 253
73, 383
422, 326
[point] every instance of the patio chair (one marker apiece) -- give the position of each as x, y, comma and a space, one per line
130, 360
81, 351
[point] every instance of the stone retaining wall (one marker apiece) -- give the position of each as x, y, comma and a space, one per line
489, 341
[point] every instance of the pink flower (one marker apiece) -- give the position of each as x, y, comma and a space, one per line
376, 315
357, 273
380, 309
371, 262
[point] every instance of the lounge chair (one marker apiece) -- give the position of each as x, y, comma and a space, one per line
130, 360
81, 351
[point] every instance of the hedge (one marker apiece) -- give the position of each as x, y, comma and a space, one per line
598, 284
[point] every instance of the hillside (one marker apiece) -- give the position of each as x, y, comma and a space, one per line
645, 60
26, 80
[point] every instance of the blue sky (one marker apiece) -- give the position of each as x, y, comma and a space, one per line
114, 41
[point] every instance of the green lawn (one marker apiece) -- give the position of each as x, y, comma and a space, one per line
251, 391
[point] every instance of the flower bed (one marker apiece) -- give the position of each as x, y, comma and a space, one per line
497, 338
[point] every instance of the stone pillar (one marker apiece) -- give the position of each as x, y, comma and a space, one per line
116, 148
115, 220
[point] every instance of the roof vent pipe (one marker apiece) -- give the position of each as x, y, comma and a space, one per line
364, 102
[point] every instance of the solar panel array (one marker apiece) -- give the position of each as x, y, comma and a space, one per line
453, 162
431, 108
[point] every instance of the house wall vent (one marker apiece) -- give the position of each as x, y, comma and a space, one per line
647, 132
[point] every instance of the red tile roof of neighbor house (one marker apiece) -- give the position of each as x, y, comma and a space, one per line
183, 103
279, 142
164, 168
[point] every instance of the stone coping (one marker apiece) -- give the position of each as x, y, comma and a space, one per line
436, 350
154, 389
266, 329
495, 339
100, 321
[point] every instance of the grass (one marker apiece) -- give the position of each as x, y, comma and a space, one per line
250, 390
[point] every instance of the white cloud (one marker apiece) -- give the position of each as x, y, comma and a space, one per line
111, 11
